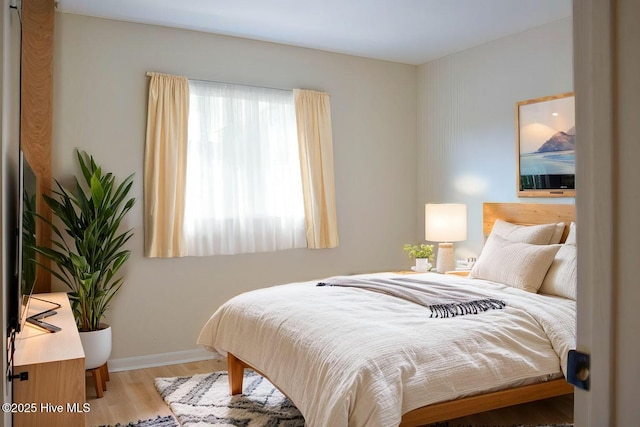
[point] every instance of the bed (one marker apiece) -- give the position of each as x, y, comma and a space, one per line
346, 355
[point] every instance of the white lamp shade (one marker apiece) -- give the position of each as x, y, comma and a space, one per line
445, 222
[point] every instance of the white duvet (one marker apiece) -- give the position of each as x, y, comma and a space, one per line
353, 357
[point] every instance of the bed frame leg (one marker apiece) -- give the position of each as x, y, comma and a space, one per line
236, 373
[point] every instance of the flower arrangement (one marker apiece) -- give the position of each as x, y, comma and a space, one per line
421, 251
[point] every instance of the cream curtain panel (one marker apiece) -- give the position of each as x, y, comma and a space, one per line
313, 118
165, 165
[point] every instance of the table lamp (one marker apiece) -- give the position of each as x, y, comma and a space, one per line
445, 223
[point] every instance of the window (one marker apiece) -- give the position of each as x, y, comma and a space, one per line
243, 183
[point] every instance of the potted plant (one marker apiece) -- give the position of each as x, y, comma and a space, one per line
422, 254
88, 249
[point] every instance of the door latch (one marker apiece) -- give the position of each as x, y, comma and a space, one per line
578, 365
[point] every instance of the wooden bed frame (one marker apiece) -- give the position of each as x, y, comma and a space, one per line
517, 213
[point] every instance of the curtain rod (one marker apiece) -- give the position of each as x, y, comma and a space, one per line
240, 84
256, 86
151, 73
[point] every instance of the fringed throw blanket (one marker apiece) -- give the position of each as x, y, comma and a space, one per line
443, 301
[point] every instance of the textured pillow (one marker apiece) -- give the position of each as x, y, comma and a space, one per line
520, 265
557, 233
562, 277
571, 237
534, 234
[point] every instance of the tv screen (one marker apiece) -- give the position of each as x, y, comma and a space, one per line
26, 265
26, 240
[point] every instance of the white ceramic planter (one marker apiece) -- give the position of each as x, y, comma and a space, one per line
97, 347
422, 264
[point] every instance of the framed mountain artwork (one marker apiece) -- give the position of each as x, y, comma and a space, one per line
545, 146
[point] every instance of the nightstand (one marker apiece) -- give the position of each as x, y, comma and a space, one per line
411, 272
463, 273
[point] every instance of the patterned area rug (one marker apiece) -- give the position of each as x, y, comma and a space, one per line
204, 399
159, 421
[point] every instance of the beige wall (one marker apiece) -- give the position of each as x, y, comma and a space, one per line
100, 98
466, 119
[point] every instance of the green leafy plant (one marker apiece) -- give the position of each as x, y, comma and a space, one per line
421, 251
88, 251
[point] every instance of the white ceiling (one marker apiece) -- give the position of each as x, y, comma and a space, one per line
406, 31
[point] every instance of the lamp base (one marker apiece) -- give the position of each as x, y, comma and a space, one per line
445, 260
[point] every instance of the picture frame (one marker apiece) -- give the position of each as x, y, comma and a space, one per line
545, 146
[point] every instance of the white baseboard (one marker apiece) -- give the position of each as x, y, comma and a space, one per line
162, 359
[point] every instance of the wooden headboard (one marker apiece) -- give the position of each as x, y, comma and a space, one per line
527, 214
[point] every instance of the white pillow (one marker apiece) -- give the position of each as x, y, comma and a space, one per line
520, 265
562, 277
535, 234
571, 237
557, 233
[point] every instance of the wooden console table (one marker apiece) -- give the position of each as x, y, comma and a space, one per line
54, 393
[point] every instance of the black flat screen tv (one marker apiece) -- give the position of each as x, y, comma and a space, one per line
26, 266
25, 272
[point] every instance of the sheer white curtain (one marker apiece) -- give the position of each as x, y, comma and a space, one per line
243, 186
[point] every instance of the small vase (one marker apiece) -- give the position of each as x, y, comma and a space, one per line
422, 264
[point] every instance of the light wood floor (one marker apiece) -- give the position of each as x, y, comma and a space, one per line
131, 396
